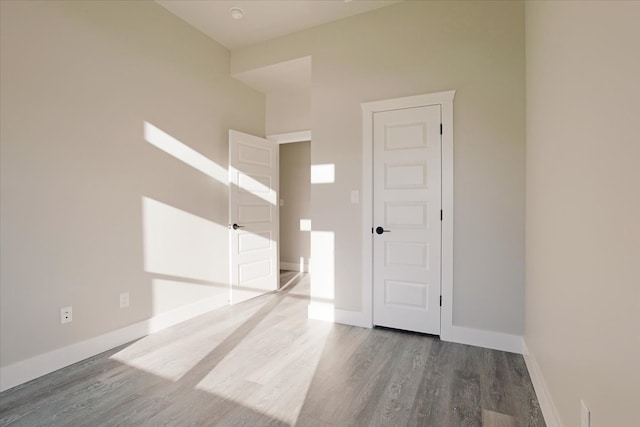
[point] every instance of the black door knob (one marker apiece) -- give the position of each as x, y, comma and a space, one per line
381, 230
236, 226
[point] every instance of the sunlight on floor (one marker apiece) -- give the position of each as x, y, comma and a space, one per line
167, 362
247, 357
170, 361
251, 374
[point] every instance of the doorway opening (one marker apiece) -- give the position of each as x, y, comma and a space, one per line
294, 205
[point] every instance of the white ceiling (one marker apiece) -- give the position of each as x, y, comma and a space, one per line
264, 19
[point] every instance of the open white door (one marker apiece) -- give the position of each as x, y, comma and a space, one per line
253, 215
406, 218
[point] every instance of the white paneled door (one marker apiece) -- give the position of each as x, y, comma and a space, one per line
406, 219
253, 221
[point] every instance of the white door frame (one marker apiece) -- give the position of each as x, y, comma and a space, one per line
445, 100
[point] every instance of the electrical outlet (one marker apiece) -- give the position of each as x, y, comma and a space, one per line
585, 415
124, 300
66, 315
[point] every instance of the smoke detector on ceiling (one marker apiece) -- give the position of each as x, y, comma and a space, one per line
236, 13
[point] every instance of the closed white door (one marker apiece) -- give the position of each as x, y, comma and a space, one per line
407, 219
253, 220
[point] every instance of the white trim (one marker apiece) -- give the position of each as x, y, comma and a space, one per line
353, 318
37, 366
446, 314
326, 312
321, 311
285, 138
549, 411
487, 339
445, 100
291, 266
277, 220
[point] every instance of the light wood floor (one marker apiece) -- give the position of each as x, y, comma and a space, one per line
264, 363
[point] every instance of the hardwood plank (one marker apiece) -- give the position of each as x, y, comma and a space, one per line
353, 379
495, 419
495, 383
397, 400
527, 408
465, 399
263, 363
433, 398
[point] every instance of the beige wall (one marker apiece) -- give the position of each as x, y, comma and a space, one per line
583, 206
295, 190
90, 209
288, 111
413, 48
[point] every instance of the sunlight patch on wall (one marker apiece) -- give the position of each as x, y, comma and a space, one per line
252, 187
305, 225
170, 145
322, 267
323, 174
180, 244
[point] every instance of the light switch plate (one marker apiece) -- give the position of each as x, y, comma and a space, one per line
124, 300
355, 197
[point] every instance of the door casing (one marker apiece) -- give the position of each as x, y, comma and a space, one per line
445, 100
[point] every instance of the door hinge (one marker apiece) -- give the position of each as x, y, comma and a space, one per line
440, 300
440, 128
441, 215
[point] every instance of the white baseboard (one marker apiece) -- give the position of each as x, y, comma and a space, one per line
37, 366
321, 311
461, 335
291, 266
487, 339
549, 411
353, 318
326, 312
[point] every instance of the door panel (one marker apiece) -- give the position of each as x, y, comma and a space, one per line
252, 205
407, 215
399, 176
407, 203
251, 214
